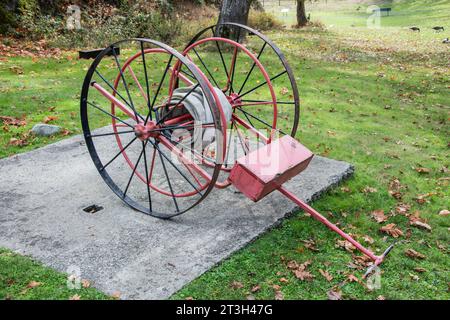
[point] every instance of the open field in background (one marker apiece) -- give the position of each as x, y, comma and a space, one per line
378, 99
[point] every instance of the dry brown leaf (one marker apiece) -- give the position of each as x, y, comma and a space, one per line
33, 284
284, 280
17, 142
420, 270
346, 189
345, 245
334, 294
326, 275
236, 285
444, 212
303, 275
75, 297
379, 216
420, 224
381, 298
402, 208
279, 295
116, 295
423, 170
310, 244
48, 119
352, 278
391, 230
256, 288
85, 283
292, 265
284, 91
414, 254
368, 189
189, 298
13, 121
368, 239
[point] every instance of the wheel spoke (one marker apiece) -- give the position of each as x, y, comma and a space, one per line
132, 174
120, 152
112, 88
232, 69
109, 114
161, 82
124, 82
260, 85
178, 103
179, 171
167, 176
109, 134
261, 102
144, 145
251, 69
246, 113
146, 79
204, 65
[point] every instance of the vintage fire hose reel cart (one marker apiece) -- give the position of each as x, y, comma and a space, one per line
186, 122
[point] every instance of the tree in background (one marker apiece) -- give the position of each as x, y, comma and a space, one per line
302, 20
235, 11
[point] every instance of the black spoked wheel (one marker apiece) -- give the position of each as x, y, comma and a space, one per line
246, 82
147, 145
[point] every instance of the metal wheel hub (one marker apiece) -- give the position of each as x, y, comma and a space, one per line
145, 131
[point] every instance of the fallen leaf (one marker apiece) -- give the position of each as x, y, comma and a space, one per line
423, 170
189, 298
368, 239
345, 245
352, 278
420, 224
379, 216
334, 294
369, 190
33, 284
236, 285
414, 254
284, 280
250, 297
75, 297
421, 270
85, 283
116, 295
13, 121
284, 91
414, 277
394, 189
381, 298
48, 119
310, 244
444, 212
255, 288
391, 230
326, 275
279, 295
17, 142
402, 208
65, 132
346, 189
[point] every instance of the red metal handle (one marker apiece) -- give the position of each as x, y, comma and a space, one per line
316, 215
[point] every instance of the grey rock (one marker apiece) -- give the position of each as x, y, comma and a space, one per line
118, 249
45, 130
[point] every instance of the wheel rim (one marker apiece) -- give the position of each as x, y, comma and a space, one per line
269, 54
151, 131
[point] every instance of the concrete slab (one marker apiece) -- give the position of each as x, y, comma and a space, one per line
43, 192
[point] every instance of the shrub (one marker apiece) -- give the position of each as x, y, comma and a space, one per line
263, 21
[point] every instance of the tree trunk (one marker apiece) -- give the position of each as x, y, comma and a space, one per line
302, 20
233, 11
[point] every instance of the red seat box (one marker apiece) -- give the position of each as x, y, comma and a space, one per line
264, 170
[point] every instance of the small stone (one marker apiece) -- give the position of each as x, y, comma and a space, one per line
45, 130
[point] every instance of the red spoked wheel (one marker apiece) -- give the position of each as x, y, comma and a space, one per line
146, 144
258, 81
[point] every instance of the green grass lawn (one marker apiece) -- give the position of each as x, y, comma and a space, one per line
377, 99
